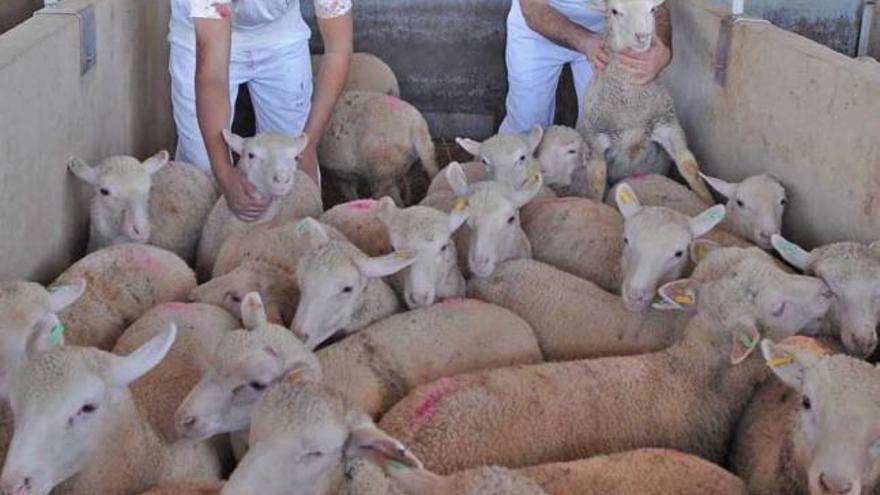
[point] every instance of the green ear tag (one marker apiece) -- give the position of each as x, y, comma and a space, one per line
56, 334
786, 247
746, 340
397, 465
716, 215
301, 226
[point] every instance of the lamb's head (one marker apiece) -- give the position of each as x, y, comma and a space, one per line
754, 206
247, 362
28, 318
836, 436
428, 232
333, 278
63, 401
276, 287
492, 211
121, 203
754, 295
484, 480
301, 436
628, 23
852, 271
657, 241
269, 161
561, 152
509, 158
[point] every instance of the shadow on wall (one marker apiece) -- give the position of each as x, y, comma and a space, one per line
14, 12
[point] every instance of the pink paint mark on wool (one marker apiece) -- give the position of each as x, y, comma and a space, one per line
394, 103
427, 408
143, 259
639, 177
175, 306
361, 204
461, 301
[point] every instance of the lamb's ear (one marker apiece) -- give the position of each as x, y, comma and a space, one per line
701, 248
528, 190
155, 163
64, 295
47, 334
300, 142
535, 136
657, 3
381, 266
253, 314
314, 231
785, 365
795, 255
459, 214
627, 201
706, 221
366, 438
385, 210
234, 141
302, 371
726, 189
457, 179
745, 338
123, 370
679, 295
469, 145
82, 170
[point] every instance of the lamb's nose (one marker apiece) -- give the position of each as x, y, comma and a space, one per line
835, 484
281, 179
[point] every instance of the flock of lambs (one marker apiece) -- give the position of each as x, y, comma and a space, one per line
511, 334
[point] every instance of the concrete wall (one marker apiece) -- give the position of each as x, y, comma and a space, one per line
13, 12
48, 113
790, 106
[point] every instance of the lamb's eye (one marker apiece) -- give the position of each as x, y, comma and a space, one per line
807, 403
88, 409
251, 155
779, 311
679, 254
740, 203
783, 201
653, 9
511, 220
485, 161
259, 387
234, 297
347, 289
522, 158
626, 240
572, 152
615, 11
444, 248
104, 191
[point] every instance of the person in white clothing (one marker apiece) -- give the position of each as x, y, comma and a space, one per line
216, 45
544, 35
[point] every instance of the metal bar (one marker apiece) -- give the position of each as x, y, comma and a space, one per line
725, 40
88, 40
737, 7
865, 30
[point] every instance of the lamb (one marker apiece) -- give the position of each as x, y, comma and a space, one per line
754, 206
643, 472
341, 289
377, 367
246, 363
28, 316
852, 271
624, 120
122, 283
574, 318
814, 430
77, 430
507, 158
359, 222
162, 203
375, 138
200, 329
550, 413
493, 233
485, 480
269, 161
434, 275
563, 157
367, 72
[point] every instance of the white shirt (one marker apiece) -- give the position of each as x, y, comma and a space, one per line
256, 24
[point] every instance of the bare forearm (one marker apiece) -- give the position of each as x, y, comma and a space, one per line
212, 104
663, 21
547, 21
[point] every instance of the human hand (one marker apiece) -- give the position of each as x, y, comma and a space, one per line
243, 200
594, 48
645, 67
308, 162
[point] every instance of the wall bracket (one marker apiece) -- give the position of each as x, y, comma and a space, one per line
725, 40
88, 40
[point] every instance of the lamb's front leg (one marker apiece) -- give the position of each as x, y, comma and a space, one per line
597, 167
671, 137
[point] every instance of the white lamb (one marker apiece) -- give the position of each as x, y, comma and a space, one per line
156, 201
367, 72
624, 120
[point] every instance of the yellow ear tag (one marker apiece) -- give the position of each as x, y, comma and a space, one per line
684, 300
535, 177
780, 361
625, 197
459, 204
700, 252
404, 254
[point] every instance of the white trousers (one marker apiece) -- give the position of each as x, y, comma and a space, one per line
534, 64
279, 81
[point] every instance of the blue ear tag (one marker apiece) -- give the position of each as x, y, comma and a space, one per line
302, 226
786, 247
56, 334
